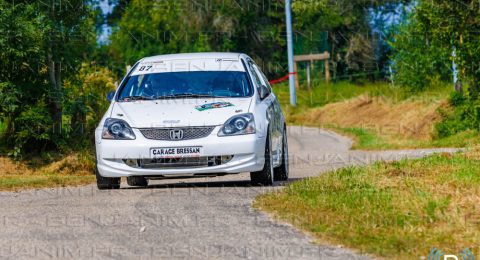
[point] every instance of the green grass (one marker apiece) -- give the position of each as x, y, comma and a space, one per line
466, 138
17, 182
394, 210
322, 93
367, 139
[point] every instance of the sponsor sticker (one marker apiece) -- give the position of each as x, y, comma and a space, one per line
213, 105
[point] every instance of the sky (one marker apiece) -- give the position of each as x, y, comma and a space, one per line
105, 29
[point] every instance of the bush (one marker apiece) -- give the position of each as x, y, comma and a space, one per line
27, 129
465, 115
32, 129
86, 99
418, 61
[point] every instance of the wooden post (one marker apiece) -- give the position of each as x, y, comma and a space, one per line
312, 67
308, 74
297, 84
327, 71
310, 58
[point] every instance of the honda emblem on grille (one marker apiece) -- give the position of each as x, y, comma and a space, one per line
176, 134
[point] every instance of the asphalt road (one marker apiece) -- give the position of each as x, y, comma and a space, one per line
176, 219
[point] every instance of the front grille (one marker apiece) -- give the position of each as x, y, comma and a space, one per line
188, 133
180, 162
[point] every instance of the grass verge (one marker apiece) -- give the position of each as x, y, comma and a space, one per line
72, 170
377, 116
396, 210
325, 93
369, 139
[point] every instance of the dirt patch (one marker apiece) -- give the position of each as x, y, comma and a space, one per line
71, 164
72, 170
10, 167
408, 119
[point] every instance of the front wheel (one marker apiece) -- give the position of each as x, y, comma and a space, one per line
105, 183
265, 176
281, 172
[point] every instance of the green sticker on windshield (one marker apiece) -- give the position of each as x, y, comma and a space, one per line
213, 105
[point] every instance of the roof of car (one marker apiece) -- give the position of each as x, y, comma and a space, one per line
198, 55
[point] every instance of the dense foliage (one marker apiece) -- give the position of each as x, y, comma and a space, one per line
437, 34
419, 60
255, 27
43, 46
171, 26
357, 32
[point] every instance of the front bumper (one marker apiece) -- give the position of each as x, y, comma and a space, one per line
247, 151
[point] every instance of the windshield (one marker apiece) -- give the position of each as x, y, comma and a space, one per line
186, 84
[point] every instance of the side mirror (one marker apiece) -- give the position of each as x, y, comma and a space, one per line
110, 96
263, 92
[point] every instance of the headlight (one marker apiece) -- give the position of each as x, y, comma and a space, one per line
238, 125
117, 129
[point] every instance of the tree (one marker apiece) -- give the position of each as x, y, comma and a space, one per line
352, 42
85, 95
42, 45
447, 27
68, 35
418, 58
438, 33
254, 27
152, 28
21, 75
119, 7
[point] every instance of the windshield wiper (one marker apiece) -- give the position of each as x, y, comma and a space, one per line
138, 98
185, 95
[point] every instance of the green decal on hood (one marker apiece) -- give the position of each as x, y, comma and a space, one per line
213, 105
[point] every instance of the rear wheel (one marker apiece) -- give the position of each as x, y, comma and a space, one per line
265, 176
138, 181
281, 172
105, 183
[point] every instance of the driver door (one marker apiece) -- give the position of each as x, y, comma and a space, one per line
272, 113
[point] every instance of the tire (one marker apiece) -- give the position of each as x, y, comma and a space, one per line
281, 172
265, 176
137, 181
105, 183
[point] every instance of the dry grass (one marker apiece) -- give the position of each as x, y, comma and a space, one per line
396, 210
381, 123
406, 119
72, 170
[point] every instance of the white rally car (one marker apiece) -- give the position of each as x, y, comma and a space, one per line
192, 115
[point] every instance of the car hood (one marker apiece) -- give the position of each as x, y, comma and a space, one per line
179, 112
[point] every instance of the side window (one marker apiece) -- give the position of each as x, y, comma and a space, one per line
254, 73
265, 80
132, 87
